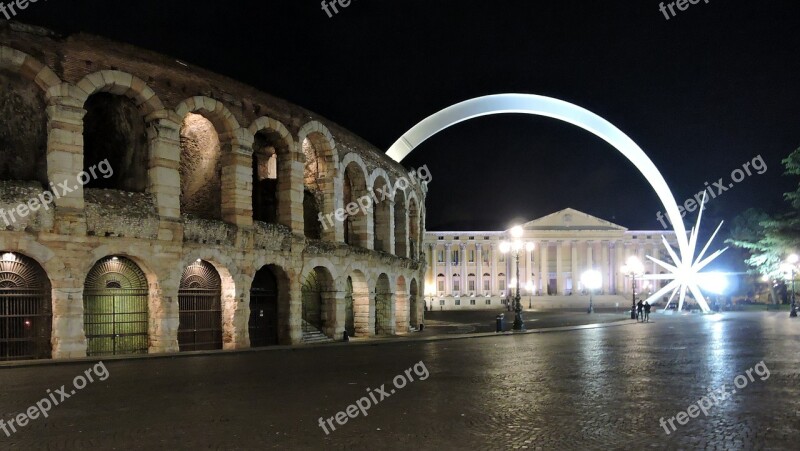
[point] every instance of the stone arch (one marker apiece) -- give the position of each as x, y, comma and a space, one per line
321, 181
269, 303
140, 291
319, 303
354, 192
29, 67
215, 111
234, 320
382, 211
402, 306
274, 174
23, 118
120, 83
27, 307
384, 306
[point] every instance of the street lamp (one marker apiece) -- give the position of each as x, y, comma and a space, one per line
790, 267
430, 290
633, 267
516, 246
591, 280
714, 282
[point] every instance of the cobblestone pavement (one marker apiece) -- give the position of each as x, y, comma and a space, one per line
603, 388
478, 321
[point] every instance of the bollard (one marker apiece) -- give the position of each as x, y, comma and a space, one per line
345, 336
421, 326
499, 322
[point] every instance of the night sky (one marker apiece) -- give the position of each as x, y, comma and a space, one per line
702, 93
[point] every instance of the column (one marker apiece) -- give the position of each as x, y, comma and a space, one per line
448, 274
433, 262
464, 272
493, 271
479, 269
559, 267
604, 265
589, 255
620, 260
544, 272
612, 267
573, 258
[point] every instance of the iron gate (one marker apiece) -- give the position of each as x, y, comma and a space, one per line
200, 304
115, 316
263, 324
25, 309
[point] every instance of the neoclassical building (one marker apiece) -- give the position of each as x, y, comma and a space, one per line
467, 270
150, 206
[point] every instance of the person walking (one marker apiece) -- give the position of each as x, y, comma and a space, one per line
639, 307
646, 312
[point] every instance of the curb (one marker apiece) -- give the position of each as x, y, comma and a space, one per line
366, 342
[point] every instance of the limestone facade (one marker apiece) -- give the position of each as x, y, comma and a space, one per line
466, 269
272, 167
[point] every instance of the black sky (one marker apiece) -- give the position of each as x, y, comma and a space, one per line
702, 93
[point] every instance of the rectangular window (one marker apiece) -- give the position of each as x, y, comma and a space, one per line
488, 302
471, 285
441, 301
472, 302
486, 285
458, 301
471, 256
456, 285
502, 284
486, 257
502, 258
454, 257
441, 285
441, 256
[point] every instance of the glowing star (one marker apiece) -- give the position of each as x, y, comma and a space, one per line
686, 273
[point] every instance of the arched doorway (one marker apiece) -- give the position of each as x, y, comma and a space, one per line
115, 315
25, 309
318, 298
200, 305
263, 324
383, 306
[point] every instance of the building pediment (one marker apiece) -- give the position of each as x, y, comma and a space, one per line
571, 219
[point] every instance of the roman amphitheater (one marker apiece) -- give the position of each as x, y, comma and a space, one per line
207, 233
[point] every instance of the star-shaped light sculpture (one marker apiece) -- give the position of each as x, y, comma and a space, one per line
684, 272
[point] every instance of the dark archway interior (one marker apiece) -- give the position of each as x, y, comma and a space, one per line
114, 129
266, 148
23, 136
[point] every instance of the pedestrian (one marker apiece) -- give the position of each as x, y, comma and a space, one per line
646, 311
639, 308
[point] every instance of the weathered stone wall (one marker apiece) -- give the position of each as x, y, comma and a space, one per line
54, 78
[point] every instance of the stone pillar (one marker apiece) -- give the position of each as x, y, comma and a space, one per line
464, 274
65, 159
620, 260
448, 275
604, 265
291, 172
334, 314
68, 338
560, 285
544, 264
589, 255
479, 269
290, 312
164, 317
574, 261
164, 165
493, 272
612, 267
237, 179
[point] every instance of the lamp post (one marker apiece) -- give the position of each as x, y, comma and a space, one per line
790, 267
516, 246
633, 267
592, 280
